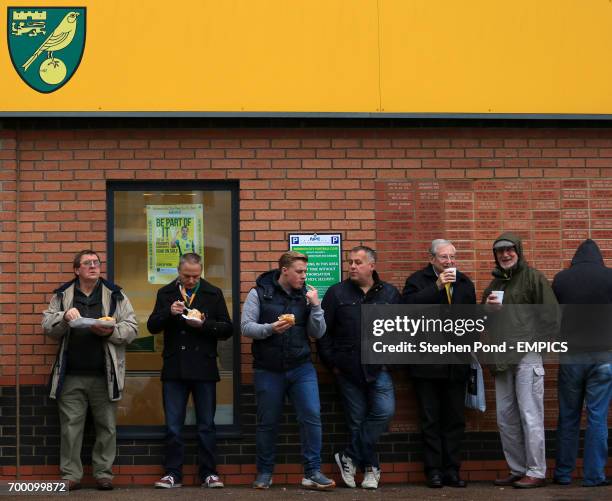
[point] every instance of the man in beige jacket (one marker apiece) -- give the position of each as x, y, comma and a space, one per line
90, 367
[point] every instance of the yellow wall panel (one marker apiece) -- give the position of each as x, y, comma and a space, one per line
331, 56
491, 56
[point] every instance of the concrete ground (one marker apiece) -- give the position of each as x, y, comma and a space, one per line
477, 491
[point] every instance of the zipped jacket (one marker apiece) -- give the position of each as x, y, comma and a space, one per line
340, 347
114, 304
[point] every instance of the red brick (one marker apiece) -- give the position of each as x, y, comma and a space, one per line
329, 153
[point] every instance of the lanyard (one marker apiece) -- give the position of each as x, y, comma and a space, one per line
188, 298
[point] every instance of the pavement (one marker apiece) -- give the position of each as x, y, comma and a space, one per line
476, 491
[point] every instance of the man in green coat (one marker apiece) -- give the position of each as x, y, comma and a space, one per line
519, 387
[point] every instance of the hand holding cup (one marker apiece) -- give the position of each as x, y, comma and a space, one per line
496, 297
448, 276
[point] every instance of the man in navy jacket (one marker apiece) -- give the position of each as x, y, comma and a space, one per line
366, 390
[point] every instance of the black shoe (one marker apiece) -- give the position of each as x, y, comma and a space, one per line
104, 484
453, 480
560, 481
434, 480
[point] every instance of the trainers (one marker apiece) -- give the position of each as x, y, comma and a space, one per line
317, 481
371, 477
167, 482
263, 481
347, 469
213, 482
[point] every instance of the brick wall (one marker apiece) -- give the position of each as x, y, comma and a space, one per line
291, 179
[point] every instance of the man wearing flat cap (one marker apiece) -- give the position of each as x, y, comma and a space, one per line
519, 387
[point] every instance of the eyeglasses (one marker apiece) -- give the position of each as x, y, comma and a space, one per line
446, 257
501, 250
91, 262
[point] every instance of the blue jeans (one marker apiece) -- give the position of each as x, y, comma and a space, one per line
592, 384
368, 411
302, 387
176, 395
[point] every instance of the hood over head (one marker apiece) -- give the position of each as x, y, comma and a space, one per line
588, 252
505, 240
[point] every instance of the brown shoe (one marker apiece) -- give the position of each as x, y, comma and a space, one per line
528, 482
507, 481
104, 484
72, 485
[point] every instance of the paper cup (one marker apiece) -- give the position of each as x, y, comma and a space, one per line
454, 270
499, 295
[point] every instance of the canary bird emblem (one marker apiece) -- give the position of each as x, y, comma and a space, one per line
46, 44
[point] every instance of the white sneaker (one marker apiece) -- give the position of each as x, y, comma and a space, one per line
371, 477
167, 482
213, 482
347, 469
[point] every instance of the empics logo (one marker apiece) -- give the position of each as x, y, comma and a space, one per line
46, 44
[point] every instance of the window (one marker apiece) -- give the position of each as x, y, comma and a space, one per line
149, 226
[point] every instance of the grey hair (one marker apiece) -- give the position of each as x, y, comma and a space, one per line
438, 242
191, 258
371, 253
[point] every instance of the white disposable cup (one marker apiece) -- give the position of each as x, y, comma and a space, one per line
499, 295
454, 271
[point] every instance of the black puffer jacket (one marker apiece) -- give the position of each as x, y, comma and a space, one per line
292, 349
190, 353
340, 347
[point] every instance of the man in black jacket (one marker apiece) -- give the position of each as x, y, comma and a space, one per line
440, 388
190, 365
585, 374
366, 390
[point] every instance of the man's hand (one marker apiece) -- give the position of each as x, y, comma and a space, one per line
71, 314
312, 296
493, 299
280, 326
177, 308
99, 330
446, 277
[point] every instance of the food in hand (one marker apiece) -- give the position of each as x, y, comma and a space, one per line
194, 313
288, 317
106, 319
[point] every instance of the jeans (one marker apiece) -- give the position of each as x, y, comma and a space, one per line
176, 395
301, 386
368, 411
591, 384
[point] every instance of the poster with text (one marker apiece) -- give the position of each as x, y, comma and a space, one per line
172, 230
324, 259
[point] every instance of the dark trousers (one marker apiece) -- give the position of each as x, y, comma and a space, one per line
176, 395
441, 406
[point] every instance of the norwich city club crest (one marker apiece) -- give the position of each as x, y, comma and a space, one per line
46, 44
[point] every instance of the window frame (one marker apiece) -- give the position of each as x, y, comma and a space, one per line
157, 432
